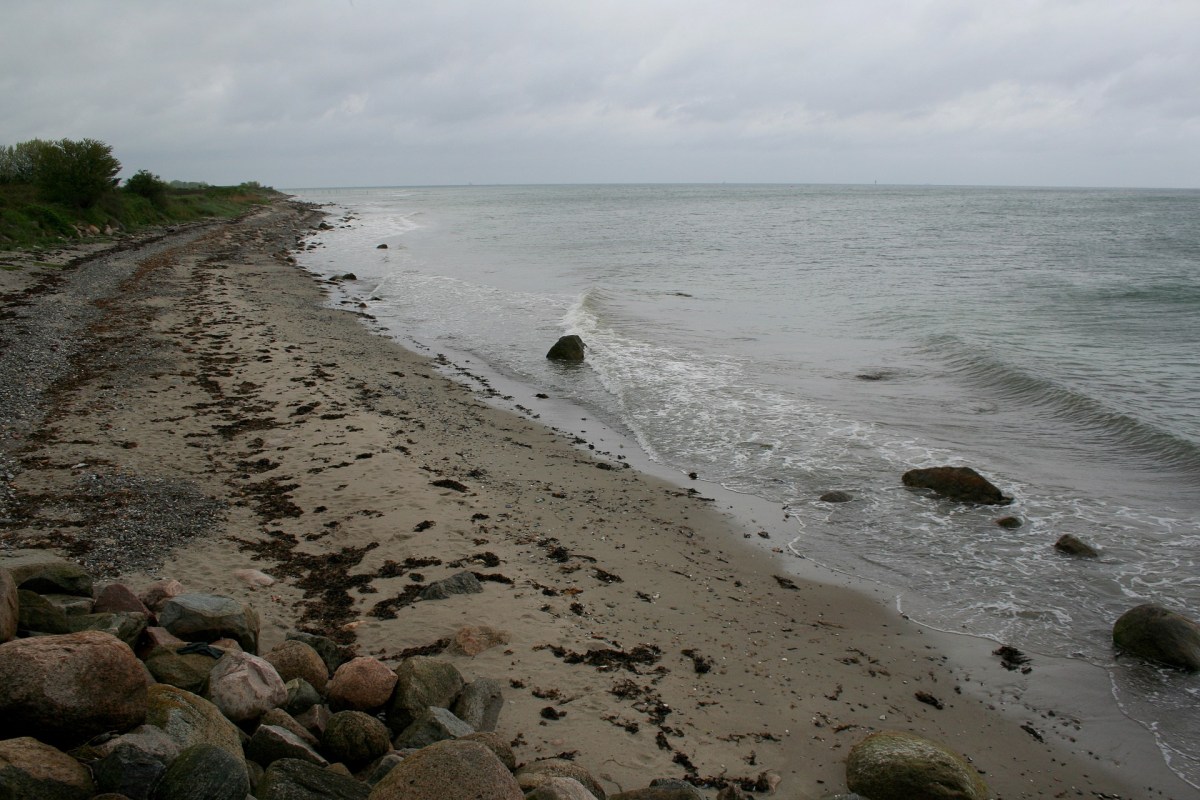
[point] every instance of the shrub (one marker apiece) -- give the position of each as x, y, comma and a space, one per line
149, 186
75, 173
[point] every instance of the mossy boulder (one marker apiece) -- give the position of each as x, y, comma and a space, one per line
894, 765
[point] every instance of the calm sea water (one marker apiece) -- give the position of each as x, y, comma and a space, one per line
789, 340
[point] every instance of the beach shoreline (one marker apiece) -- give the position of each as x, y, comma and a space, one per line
344, 463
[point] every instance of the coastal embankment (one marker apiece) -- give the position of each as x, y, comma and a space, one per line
196, 407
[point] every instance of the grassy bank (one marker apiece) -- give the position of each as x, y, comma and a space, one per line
29, 221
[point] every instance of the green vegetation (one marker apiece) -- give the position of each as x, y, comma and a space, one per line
66, 189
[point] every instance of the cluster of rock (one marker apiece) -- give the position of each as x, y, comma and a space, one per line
1148, 631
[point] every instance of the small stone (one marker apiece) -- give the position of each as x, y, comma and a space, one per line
253, 577
836, 497
475, 639
460, 583
1012, 523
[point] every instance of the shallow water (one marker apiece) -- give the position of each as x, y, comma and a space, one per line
787, 340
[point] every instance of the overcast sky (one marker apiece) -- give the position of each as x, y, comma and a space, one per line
297, 93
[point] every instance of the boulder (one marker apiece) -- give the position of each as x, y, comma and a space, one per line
46, 573
289, 779
208, 617
295, 659
355, 739
9, 610
1010, 522
497, 744
475, 639
893, 765
245, 687
836, 497
282, 719
530, 776
70, 604
119, 597
159, 592
1159, 634
31, 770
315, 719
332, 653
189, 719
422, 682
1074, 546
272, 742
204, 772
361, 684
126, 626
956, 483
560, 789
301, 696
66, 689
662, 790
144, 738
179, 667
479, 704
377, 771
453, 770
431, 725
567, 348
460, 583
130, 771
36, 613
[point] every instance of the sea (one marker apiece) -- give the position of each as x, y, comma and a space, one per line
784, 341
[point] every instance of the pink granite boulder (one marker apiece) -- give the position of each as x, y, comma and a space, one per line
245, 687
361, 684
66, 689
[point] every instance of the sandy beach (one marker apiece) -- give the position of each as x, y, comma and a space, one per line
215, 412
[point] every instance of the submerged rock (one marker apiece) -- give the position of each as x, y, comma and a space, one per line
957, 483
567, 348
1160, 635
1074, 546
836, 496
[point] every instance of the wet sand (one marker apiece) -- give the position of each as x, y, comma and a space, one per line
643, 631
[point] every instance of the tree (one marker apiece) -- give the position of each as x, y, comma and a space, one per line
76, 172
18, 162
148, 185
